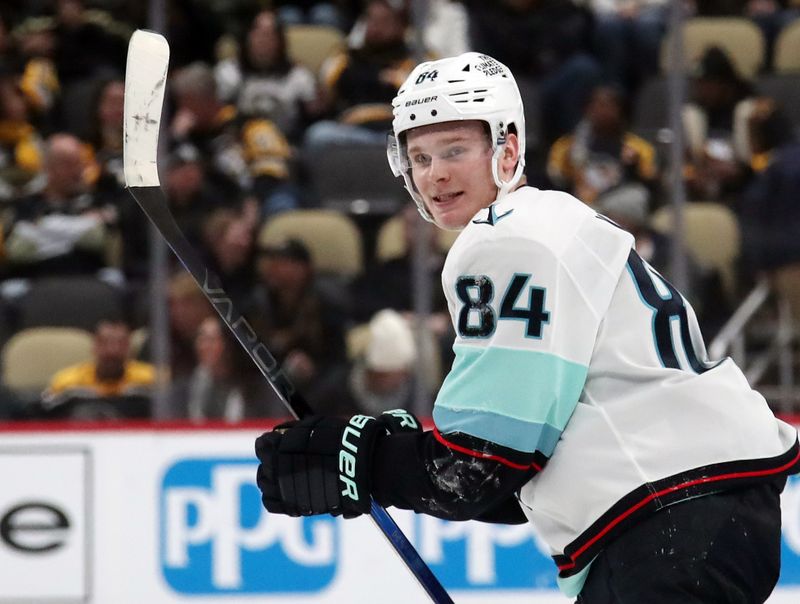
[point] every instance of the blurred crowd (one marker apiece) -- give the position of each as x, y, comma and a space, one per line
261, 95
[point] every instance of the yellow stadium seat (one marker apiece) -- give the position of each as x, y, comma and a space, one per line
310, 45
787, 50
711, 235
32, 356
391, 239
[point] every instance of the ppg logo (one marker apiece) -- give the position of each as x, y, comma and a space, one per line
216, 538
476, 555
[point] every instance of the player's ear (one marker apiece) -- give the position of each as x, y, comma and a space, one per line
508, 160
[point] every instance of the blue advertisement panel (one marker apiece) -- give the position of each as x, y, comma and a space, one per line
479, 556
216, 539
175, 517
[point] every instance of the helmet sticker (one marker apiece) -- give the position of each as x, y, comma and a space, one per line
489, 66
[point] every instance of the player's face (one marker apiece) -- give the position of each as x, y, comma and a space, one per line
451, 165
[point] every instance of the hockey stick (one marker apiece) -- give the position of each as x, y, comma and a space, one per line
145, 84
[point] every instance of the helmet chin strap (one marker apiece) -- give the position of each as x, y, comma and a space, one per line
504, 187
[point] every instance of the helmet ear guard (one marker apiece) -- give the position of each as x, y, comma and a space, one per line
393, 154
398, 162
471, 86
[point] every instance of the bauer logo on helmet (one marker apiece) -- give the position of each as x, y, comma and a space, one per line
422, 101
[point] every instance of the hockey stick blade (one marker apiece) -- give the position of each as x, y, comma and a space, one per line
145, 85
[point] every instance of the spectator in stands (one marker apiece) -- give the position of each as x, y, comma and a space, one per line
188, 308
62, 229
105, 135
83, 44
229, 243
715, 120
381, 376
301, 325
20, 143
111, 385
769, 208
202, 120
548, 41
627, 38
32, 53
629, 206
192, 193
224, 384
358, 85
268, 156
267, 84
389, 282
601, 153
247, 155
771, 16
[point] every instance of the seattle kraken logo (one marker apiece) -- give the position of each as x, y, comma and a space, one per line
493, 218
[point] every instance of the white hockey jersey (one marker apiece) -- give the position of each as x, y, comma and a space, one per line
570, 346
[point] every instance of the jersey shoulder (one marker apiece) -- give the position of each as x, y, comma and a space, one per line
528, 220
542, 215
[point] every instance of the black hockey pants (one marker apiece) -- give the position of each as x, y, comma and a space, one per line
717, 549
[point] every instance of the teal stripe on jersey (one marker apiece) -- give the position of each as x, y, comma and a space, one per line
572, 586
516, 398
507, 431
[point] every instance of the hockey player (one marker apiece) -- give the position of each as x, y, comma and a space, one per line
581, 396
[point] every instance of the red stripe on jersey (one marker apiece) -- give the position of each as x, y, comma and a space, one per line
481, 455
671, 489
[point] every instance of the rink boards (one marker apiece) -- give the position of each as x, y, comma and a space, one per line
173, 516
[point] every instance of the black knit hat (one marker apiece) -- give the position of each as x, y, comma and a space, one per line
293, 249
716, 65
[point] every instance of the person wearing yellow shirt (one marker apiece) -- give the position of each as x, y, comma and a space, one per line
92, 389
601, 153
21, 146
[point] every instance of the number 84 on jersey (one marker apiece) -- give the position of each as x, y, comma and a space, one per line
478, 316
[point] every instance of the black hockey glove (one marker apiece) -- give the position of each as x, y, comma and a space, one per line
321, 465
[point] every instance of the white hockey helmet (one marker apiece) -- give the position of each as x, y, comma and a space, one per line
471, 86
